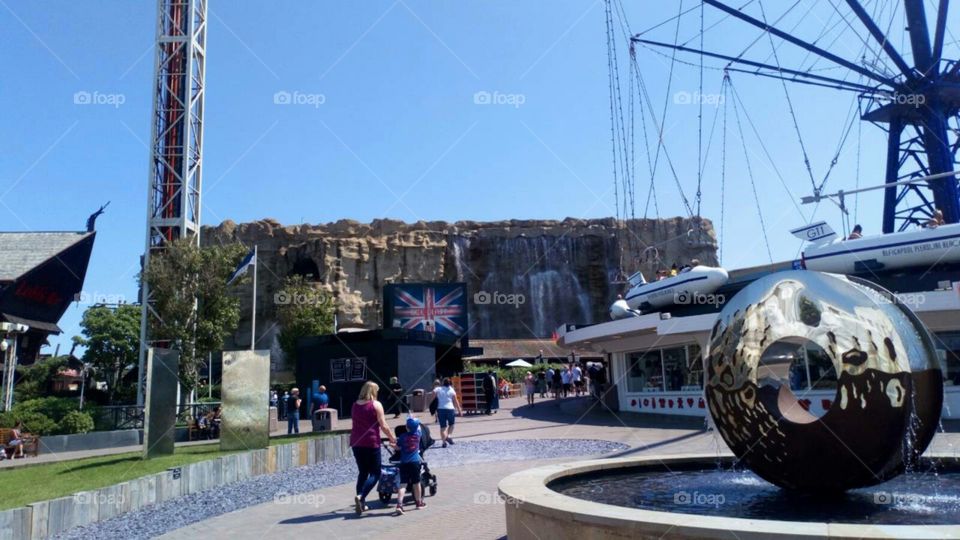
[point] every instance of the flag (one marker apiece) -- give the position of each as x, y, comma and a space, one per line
430, 311
245, 264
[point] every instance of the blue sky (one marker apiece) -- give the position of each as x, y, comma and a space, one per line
398, 133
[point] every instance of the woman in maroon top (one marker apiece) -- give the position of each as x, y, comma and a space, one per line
368, 422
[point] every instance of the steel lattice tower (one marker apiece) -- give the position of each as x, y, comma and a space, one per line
176, 141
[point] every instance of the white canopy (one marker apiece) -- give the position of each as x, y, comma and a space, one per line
519, 362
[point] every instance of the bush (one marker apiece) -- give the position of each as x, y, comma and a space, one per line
53, 407
48, 416
33, 422
76, 422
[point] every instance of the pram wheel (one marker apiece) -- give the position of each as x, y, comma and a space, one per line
433, 490
385, 498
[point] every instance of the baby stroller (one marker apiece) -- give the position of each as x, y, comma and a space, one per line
390, 473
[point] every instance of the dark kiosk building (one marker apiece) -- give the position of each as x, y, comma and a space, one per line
425, 326
344, 361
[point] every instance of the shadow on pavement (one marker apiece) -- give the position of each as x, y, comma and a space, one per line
337, 514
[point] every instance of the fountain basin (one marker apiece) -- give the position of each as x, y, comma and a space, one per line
534, 509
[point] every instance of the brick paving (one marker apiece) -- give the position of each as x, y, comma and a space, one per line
466, 505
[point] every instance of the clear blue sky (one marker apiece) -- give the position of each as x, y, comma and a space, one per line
398, 133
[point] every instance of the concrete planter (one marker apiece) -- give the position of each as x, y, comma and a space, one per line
95, 440
41, 520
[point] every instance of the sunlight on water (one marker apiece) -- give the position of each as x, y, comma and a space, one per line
926, 497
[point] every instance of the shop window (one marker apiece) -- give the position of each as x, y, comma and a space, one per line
675, 367
948, 345
693, 376
644, 372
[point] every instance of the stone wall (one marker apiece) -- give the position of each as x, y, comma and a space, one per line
564, 269
46, 519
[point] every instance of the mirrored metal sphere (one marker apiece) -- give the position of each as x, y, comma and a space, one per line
790, 335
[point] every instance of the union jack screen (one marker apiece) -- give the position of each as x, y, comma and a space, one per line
428, 307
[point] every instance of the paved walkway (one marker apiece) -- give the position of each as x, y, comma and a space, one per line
466, 505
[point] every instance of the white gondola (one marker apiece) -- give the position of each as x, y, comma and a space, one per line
919, 247
684, 288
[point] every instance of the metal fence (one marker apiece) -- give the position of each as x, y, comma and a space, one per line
115, 417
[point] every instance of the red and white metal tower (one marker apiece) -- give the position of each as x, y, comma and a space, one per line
176, 148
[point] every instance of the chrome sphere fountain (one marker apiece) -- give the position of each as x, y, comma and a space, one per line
889, 383
808, 476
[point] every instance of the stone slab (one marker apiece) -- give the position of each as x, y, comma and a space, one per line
41, 513
111, 500
172, 483
246, 400
16, 523
86, 508
143, 492
160, 414
60, 515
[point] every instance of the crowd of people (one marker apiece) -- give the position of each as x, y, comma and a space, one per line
571, 380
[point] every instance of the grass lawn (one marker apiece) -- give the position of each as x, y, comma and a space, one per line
30, 483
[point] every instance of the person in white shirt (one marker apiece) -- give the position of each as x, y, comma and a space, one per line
577, 375
566, 378
448, 407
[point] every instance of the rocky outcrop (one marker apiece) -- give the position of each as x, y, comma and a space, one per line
566, 271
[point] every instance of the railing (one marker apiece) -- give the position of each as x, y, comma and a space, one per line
115, 417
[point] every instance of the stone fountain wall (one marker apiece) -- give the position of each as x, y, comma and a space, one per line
564, 270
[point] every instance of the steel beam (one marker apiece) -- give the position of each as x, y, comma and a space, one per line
800, 43
836, 83
893, 172
919, 36
941, 28
880, 37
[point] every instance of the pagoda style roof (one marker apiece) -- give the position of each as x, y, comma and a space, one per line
21, 252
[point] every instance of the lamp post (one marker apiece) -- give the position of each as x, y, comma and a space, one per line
9, 332
83, 381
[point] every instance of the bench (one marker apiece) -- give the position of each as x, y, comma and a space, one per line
324, 419
31, 443
195, 432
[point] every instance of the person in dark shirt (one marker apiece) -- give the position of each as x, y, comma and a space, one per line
293, 412
489, 390
396, 395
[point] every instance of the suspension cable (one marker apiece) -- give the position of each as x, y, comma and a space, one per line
753, 184
698, 195
723, 168
793, 114
766, 152
663, 120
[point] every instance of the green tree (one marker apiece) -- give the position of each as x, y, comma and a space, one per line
35, 380
188, 285
112, 340
302, 310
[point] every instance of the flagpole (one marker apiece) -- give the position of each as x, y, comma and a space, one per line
253, 314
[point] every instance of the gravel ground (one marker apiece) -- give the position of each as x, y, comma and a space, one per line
178, 513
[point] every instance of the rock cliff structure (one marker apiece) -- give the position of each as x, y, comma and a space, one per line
556, 271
